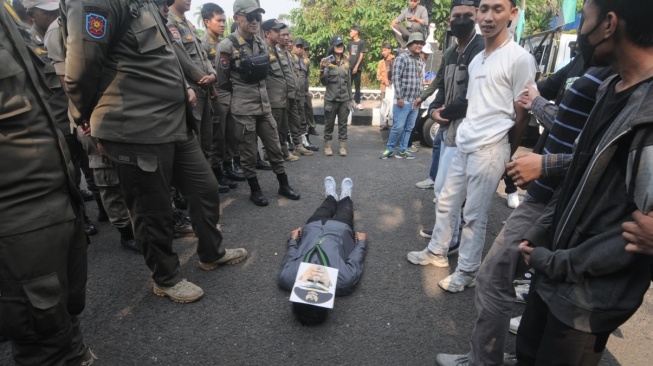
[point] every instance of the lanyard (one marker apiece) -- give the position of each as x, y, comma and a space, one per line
321, 255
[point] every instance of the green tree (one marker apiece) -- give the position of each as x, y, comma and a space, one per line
318, 20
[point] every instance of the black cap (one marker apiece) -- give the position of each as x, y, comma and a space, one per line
473, 3
306, 45
272, 24
386, 45
336, 40
299, 41
168, 2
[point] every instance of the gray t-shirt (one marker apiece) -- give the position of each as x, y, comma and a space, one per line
355, 48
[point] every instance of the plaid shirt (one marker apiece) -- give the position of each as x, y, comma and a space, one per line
544, 111
555, 165
407, 76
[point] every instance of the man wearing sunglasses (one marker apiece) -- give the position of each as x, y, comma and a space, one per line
242, 69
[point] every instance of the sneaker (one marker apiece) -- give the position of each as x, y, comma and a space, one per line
360, 107
405, 155
231, 256
345, 188
426, 233
427, 183
414, 147
524, 279
425, 257
443, 359
88, 358
521, 293
512, 200
183, 291
458, 281
386, 154
514, 324
330, 187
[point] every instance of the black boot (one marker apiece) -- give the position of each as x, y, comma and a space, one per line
233, 171
308, 145
257, 195
260, 164
285, 189
182, 226
89, 228
222, 179
127, 238
291, 146
313, 131
102, 215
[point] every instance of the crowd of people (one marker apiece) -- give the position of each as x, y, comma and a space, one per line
161, 120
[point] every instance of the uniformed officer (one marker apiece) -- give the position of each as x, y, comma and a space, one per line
43, 247
335, 76
184, 31
276, 82
308, 100
143, 122
297, 125
243, 67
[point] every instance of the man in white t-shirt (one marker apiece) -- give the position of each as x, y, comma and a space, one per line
497, 77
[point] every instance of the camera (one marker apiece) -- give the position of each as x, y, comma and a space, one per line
329, 59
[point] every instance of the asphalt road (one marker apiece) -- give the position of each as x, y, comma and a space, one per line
397, 316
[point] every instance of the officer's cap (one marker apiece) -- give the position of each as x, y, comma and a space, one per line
306, 45
272, 24
473, 3
47, 5
246, 7
168, 2
299, 41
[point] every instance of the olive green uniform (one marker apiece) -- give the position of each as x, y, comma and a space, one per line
185, 33
336, 78
250, 106
298, 126
292, 117
142, 117
308, 98
42, 240
278, 94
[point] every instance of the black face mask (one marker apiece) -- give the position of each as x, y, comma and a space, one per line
461, 27
586, 49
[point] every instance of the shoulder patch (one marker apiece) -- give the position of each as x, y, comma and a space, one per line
225, 59
175, 33
188, 37
96, 25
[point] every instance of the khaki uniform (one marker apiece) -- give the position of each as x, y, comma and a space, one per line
278, 93
140, 114
298, 126
184, 32
250, 107
42, 240
308, 98
337, 80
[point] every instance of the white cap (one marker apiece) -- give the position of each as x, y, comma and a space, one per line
47, 5
427, 49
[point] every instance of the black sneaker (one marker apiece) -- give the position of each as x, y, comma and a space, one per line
426, 233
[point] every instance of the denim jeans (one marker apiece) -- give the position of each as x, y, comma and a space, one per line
435, 156
473, 177
403, 122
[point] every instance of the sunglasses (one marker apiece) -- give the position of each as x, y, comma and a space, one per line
253, 16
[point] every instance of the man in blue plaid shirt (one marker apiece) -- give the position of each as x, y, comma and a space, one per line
407, 81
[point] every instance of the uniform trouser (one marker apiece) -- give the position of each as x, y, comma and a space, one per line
146, 172
472, 178
280, 116
43, 287
247, 130
495, 292
224, 146
108, 184
295, 118
331, 111
308, 110
543, 340
203, 113
80, 162
341, 211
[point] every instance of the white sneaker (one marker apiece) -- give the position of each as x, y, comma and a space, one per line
360, 107
458, 281
512, 200
514, 324
444, 359
425, 257
330, 187
345, 188
427, 183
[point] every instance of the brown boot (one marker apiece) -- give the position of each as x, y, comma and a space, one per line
301, 150
327, 148
291, 157
343, 148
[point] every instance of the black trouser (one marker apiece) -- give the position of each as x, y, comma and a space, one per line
356, 80
342, 211
510, 185
43, 289
146, 172
543, 340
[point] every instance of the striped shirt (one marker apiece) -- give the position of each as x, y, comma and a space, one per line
407, 76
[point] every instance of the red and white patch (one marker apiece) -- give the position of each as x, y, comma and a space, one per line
175, 33
96, 25
225, 60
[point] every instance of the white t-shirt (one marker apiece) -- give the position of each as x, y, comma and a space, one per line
494, 87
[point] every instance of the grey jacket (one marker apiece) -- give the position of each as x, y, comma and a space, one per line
339, 246
588, 280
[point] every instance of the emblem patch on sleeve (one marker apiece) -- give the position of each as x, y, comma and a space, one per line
96, 25
224, 60
175, 33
